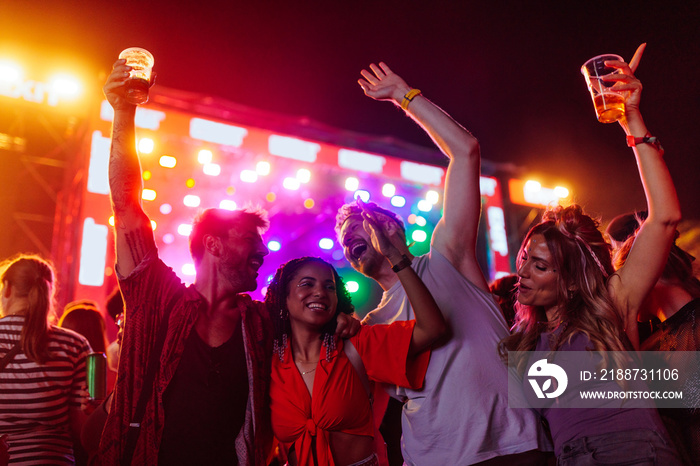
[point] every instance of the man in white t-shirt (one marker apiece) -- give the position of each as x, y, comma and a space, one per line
461, 416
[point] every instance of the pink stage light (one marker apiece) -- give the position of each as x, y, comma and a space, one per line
291, 183
212, 169
228, 204
262, 168
352, 183
191, 200
249, 176
303, 175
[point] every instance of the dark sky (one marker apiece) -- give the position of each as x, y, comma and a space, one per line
508, 71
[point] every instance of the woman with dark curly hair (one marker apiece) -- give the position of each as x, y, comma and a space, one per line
570, 298
321, 410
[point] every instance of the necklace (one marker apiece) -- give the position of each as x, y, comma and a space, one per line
306, 362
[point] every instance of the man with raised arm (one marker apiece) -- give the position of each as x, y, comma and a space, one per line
208, 401
461, 416
201, 354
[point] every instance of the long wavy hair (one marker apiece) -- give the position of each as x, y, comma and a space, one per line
32, 278
583, 261
276, 301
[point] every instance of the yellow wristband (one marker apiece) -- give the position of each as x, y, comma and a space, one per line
410, 95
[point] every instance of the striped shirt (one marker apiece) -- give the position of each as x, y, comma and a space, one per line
35, 399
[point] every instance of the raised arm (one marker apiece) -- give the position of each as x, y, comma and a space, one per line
134, 235
430, 323
649, 253
456, 232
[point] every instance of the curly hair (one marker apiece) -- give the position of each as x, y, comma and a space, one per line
276, 301
582, 258
32, 277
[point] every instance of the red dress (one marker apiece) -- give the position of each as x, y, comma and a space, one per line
339, 402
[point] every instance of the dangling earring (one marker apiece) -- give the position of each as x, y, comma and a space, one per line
329, 343
279, 347
280, 344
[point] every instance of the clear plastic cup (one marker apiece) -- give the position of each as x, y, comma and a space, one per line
609, 104
141, 61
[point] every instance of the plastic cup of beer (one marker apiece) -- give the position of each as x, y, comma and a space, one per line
609, 104
141, 62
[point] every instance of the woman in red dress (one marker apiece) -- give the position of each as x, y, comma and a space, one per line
321, 410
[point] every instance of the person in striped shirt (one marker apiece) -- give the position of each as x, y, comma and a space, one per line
42, 373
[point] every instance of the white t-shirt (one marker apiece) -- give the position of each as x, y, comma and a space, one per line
461, 416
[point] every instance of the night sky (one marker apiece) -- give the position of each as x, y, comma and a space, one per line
508, 71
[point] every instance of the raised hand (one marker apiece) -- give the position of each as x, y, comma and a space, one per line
383, 232
626, 81
114, 87
383, 84
347, 326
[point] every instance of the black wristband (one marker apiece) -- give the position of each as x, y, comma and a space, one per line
403, 263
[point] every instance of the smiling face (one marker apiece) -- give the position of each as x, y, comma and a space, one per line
539, 280
242, 255
358, 248
312, 299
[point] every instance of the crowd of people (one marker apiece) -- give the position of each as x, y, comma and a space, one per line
206, 375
